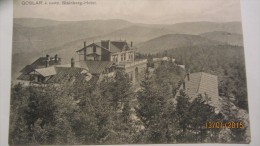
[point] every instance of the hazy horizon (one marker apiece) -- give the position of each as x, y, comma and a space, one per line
124, 20
143, 11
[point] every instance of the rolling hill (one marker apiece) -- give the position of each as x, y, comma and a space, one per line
50, 36
225, 37
37, 22
34, 37
138, 34
171, 41
204, 26
33, 34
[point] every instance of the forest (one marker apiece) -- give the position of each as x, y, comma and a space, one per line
225, 61
113, 111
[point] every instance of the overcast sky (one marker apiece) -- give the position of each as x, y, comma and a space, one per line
140, 11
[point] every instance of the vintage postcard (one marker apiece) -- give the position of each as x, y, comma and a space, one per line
128, 72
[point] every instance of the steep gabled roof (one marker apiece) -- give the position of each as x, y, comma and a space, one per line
114, 49
93, 44
48, 71
58, 73
24, 77
27, 69
115, 46
67, 74
96, 67
120, 44
201, 83
39, 63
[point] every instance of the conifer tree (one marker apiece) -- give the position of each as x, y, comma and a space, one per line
151, 110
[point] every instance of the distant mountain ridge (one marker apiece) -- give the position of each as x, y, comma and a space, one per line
171, 41
33, 36
204, 26
41, 22
51, 36
36, 22
44, 34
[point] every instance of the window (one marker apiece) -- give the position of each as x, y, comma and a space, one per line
41, 79
114, 58
130, 55
96, 57
94, 49
124, 56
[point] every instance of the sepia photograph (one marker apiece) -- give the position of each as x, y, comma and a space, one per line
109, 72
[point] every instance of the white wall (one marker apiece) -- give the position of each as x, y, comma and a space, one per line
90, 50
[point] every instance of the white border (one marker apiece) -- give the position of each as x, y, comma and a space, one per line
6, 15
251, 28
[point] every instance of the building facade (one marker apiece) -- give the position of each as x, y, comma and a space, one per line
106, 50
106, 56
98, 59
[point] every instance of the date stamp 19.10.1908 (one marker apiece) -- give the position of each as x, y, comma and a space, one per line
229, 125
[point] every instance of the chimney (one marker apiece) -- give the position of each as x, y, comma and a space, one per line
131, 44
105, 44
85, 51
47, 60
56, 58
108, 41
72, 62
